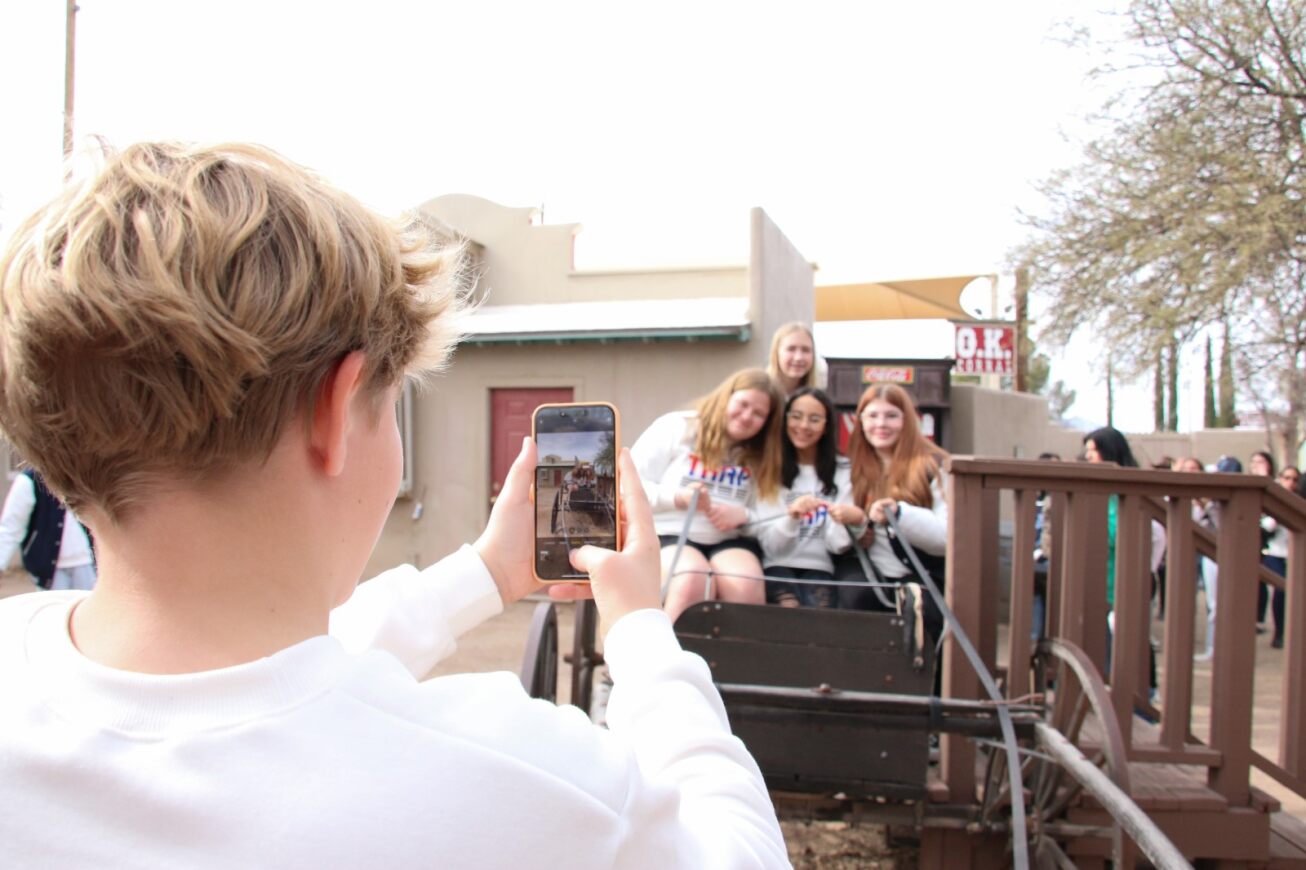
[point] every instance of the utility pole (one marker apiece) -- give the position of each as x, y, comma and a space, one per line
70, 50
1022, 330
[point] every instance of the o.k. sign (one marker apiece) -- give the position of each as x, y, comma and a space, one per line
984, 349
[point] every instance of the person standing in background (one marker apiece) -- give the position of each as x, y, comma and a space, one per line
56, 548
1274, 549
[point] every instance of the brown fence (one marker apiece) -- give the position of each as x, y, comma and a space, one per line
1077, 605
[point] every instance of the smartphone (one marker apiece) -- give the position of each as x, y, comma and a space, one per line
575, 485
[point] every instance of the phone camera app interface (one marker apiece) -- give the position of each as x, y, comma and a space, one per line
575, 485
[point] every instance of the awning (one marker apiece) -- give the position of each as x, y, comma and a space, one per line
895, 300
641, 320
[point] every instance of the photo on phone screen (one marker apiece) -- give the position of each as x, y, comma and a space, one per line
575, 485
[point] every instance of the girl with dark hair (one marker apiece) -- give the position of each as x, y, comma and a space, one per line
728, 450
812, 478
1109, 445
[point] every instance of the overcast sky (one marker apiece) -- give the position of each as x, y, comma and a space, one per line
886, 140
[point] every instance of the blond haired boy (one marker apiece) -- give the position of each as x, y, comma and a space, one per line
201, 348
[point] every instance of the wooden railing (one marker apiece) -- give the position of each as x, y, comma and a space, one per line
1077, 604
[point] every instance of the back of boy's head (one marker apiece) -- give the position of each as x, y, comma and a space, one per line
171, 316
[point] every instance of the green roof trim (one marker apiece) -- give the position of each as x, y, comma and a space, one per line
709, 333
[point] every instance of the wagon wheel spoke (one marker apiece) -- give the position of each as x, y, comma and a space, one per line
1073, 788
1047, 794
997, 784
1049, 854
1077, 705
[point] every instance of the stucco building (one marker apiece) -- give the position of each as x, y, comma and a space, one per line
647, 340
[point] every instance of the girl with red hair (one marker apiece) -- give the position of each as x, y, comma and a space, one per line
895, 470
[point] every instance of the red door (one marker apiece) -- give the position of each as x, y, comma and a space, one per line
510, 422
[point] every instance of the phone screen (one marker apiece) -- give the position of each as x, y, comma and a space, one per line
575, 485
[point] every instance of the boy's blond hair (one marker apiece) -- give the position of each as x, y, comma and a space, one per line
171, 316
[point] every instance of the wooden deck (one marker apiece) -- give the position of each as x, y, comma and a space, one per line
1229, 751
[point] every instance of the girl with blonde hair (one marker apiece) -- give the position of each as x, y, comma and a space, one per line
727, 448
793, 357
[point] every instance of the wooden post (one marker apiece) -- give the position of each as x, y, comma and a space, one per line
965, 593
1022, 595
1082, 608
984, 633
1235, 647
1133, 540
1057, 540
1180, 611
1292, 728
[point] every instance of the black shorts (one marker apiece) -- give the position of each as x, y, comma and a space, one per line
710, 550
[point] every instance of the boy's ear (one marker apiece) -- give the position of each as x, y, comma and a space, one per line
329, 428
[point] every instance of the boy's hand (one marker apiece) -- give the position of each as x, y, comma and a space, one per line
631, 580
507, 543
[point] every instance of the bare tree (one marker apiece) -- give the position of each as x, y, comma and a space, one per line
1193, 207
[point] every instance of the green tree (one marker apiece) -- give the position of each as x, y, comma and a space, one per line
1190, 209
1040, 369
605, 461
1060, 398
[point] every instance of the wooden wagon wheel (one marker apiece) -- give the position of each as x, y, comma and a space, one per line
539, 667
1076, 703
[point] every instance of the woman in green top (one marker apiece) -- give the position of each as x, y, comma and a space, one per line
1108, 445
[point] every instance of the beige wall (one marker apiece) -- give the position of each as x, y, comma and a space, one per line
781, 281
1009, 425
523, 262
1015, 425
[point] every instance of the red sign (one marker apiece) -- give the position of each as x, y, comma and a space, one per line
984, 349
888, 374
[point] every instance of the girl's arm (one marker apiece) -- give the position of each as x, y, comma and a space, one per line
837, 539
653, 452
926, 528
776, 536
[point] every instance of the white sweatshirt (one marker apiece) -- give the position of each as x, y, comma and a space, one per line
331, 754
1277, 545
74, 547
664, 456
925, 528
805, 543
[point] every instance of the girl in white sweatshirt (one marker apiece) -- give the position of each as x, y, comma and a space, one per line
895, 470
813, 477
728, 450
